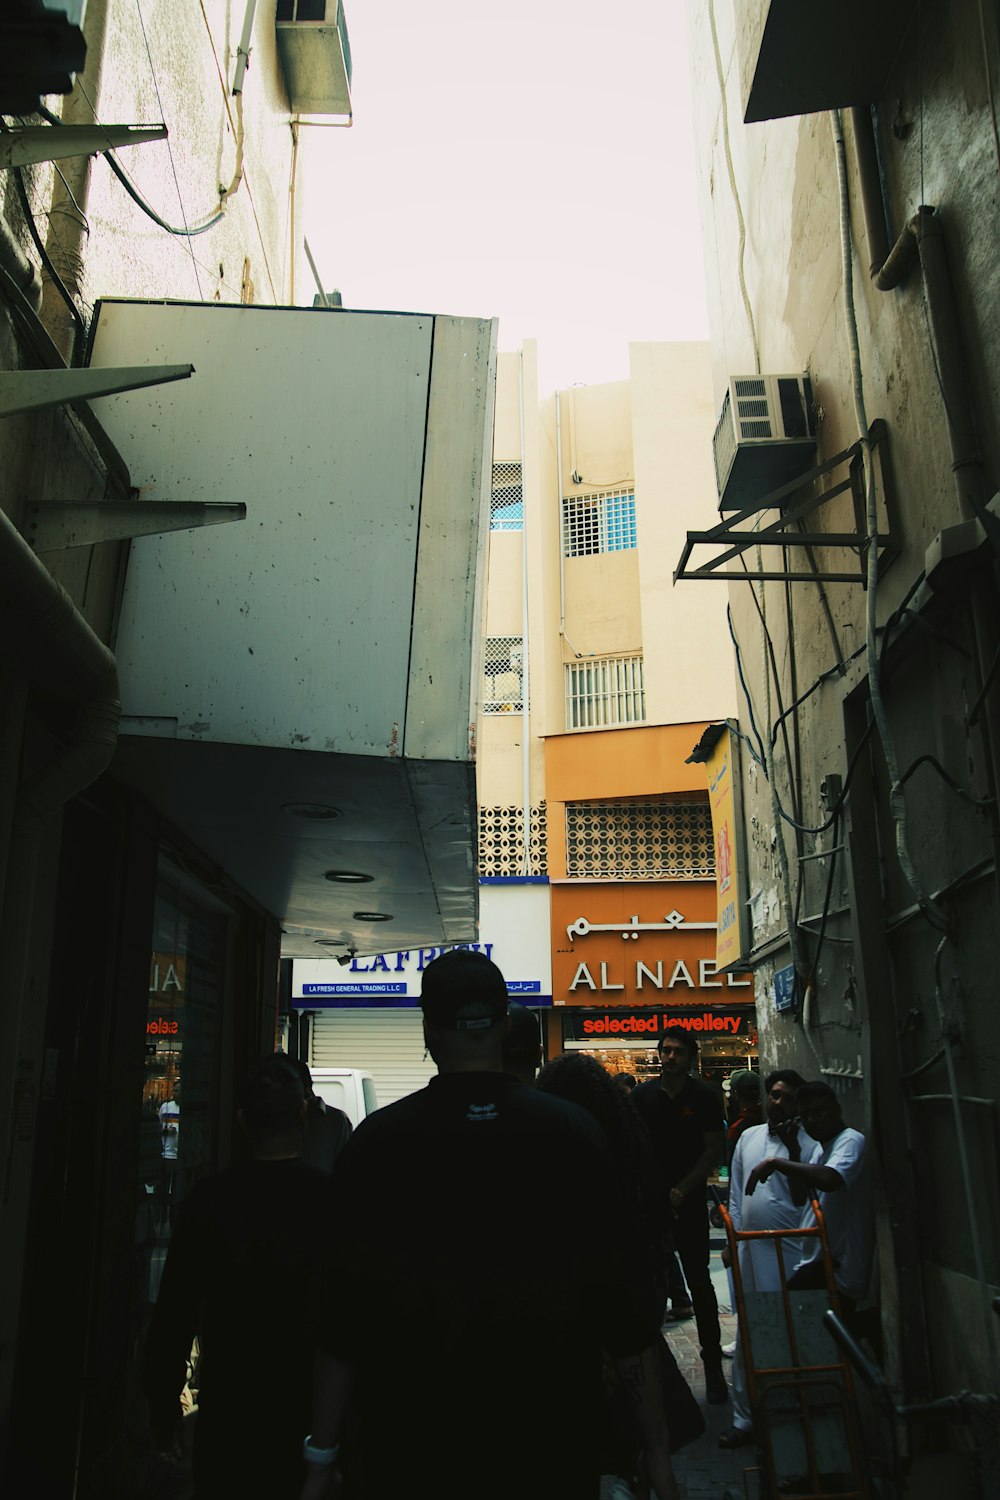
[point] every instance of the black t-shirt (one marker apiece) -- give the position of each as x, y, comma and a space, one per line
479, 1266
243, 1272
678, 1126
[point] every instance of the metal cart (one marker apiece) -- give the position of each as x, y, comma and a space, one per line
801, 1393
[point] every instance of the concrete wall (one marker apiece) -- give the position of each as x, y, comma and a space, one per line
874, 985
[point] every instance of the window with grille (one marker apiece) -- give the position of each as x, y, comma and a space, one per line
503, 674
598, 523
603, 691
630, 839
506, 499
500, 847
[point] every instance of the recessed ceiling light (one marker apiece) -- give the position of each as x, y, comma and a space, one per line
331, 942
348, 877
372, 916
317, 811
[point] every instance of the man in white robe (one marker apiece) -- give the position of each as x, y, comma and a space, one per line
776, 1204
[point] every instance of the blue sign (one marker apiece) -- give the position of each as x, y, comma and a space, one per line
388, 987
524, 986
784, 988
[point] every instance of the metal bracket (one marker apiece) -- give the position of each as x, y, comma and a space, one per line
23, 145
58, 524
796, 500
33, 390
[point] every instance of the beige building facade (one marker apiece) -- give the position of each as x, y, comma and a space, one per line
599, 677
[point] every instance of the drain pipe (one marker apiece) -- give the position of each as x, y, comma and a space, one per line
525, 654
559, 514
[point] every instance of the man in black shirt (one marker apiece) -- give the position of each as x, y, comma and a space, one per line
478, 1270
687, 1130
250, 1237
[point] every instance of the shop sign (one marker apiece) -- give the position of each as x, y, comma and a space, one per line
167, 973
648, 956
649, 1025
389, 979
724, 791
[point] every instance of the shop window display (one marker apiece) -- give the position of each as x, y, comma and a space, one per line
181, 1067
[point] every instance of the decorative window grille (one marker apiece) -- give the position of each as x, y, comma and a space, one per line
506, 499
604, 691
630, 839
501, 841
598, 523
503, 674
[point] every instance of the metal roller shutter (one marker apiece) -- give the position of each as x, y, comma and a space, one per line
388, 1043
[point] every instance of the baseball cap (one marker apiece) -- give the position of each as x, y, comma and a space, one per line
463, 991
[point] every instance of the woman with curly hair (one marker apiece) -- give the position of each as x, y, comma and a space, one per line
582, 1080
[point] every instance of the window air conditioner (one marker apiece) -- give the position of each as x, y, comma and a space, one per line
315, 55
765, 436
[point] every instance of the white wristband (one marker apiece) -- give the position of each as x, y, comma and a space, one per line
323, 1458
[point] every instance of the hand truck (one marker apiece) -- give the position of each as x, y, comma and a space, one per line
801, 1393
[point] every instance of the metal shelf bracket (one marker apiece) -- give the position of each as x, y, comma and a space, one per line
24, 145
55, 525
33, 390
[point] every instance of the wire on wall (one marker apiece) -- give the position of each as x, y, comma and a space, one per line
39, 243
897, 799
720, 71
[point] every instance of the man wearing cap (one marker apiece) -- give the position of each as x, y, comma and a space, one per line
476, 1274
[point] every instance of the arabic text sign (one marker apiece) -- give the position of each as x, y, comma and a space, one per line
638, 944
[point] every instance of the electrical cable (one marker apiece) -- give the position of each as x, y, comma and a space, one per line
897, 800
53, 274
170, 149
827, 899
720, 71
133, 191
929, 760
758, 754
989, 82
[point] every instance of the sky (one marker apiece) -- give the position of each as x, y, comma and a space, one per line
530, 160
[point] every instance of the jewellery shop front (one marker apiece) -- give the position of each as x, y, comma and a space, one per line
631, 960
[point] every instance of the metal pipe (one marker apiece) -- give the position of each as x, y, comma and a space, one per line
949, 357
559, 513
525, 654
243, 50
872, 200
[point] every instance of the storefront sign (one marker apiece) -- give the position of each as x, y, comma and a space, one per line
723, 768
638, 944
167, 973
515, 924
647, 1026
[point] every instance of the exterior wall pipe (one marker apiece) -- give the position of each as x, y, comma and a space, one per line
19, 268
559, 518
525, 653
872, 201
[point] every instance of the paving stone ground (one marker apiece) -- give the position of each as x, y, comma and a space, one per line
704, 1470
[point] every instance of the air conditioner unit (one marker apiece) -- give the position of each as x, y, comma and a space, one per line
765, 436
315, 55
